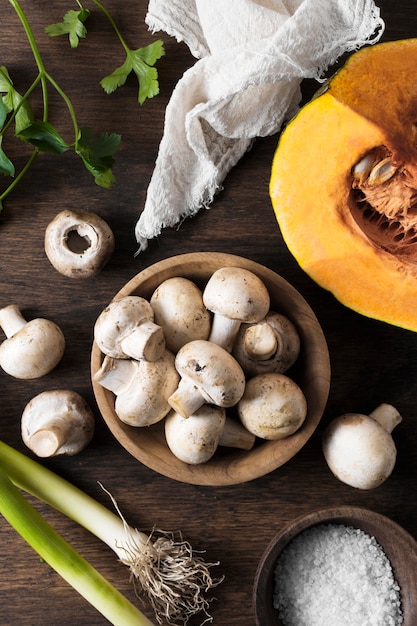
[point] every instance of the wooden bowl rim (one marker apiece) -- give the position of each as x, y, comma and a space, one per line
399, 546
237, 466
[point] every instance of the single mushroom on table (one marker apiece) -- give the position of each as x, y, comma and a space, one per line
196, 438
272, 407
78, 243
31, 349
359, 449
126, 329
141, 387
270, 345
234, 295
57, 422
178, 307
209, 374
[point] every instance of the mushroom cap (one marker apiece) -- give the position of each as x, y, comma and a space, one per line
145, 401
272, 407
56, 422
214, 371
33, 351
236, 293
118, 320
178, 307
78, 243
359, 451
195, 439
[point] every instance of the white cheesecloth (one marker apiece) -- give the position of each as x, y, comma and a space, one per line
251, 58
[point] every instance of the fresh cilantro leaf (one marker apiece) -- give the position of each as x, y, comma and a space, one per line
6, 166
141, 62
3, 113
13, 101
97, 154
72, 25
45, 137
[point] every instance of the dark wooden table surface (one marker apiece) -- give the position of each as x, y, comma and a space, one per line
371, 362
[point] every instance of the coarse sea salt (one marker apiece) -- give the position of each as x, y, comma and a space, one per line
336, 575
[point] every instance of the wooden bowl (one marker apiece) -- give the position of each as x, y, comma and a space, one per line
311, 372
398, 545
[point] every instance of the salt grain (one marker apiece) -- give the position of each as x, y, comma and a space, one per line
336, 575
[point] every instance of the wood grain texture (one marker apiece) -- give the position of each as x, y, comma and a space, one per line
371, 362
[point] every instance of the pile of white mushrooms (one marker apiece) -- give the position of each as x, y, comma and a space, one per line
210, 362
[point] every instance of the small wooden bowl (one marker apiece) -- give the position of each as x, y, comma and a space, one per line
311, 372
398, 545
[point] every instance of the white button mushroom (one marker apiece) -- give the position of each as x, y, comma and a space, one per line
359, 449
272, 407
57, 422
126, 329
31, 349
78, 243
178, 307
271, 345
195, 439
208, 374
235, 295
141, 387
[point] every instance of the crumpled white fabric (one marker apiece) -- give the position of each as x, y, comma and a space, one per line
251, 58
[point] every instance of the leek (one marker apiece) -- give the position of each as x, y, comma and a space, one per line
66, 561
166, 569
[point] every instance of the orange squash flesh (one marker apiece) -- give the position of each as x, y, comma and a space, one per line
358, 243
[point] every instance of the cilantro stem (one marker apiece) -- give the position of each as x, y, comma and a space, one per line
43, 74
68, 103
19, 177
36, 54
114, 25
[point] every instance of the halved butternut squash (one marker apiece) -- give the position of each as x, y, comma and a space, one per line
344, 184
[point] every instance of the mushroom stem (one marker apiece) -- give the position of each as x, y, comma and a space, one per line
223, 331
235, 435
386, 415
11, 320
115, 374
186, 399
46, 441
261, 342
144, 342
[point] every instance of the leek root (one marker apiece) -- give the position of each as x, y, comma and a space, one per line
163, 567
66, 561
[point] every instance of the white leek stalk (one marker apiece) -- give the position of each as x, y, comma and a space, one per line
165, 569
66, 561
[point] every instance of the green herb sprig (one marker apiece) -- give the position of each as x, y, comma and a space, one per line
96, 151
141, 61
